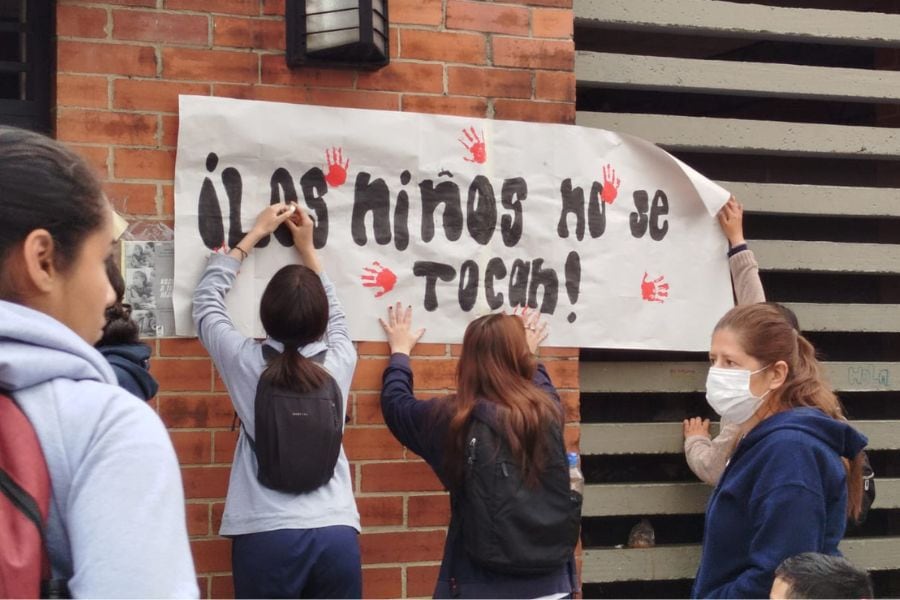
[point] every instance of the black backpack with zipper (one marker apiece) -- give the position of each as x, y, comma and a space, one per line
298, 435
507, 525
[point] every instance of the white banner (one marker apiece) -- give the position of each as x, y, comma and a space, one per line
614, 240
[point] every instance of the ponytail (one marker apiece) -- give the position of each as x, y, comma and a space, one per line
293, 371
806, 385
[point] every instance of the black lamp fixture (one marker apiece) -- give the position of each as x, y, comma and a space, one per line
337, 33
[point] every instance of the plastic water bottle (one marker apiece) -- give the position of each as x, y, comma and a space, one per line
576, 478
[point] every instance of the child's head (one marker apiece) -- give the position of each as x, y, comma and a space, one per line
815, 575
56, 232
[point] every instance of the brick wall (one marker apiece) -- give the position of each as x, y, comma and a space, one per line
121, 65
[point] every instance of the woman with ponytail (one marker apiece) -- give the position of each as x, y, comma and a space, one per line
499, 381
285, 544
795, 476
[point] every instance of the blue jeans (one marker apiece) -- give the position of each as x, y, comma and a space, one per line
297, 563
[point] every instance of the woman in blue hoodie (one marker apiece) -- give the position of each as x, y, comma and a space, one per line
795, 476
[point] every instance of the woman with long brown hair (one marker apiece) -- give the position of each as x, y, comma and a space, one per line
796, 474
496, 444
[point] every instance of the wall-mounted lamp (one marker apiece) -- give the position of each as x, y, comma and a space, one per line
337, 33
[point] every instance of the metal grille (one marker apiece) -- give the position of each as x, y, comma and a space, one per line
25, 63
795, 109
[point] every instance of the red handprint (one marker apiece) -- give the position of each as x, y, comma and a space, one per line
610, 185
655, 290
475, 146
378, 276
337, 172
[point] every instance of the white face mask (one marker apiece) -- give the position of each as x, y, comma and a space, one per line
728, 393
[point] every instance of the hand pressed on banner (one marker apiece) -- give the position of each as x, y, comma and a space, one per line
731, 219
378, 276
475, 146
696, 426
536, 329
398, 328
337, 172
656, 290
611, 185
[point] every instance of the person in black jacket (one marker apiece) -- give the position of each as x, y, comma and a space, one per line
128, 356
500, 381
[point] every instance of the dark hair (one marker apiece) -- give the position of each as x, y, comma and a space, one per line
496, 366
765, 333
45, 185
294, 311
815, 575
120, 328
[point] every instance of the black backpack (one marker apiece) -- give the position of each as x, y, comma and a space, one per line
298, 435
506, 525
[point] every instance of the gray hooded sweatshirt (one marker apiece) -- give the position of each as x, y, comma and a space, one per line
117, 525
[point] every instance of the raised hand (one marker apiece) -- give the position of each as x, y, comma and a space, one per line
398, 328
380, 277
475, 146
337, 172
536, 329
696, 426
731, 220
656, 290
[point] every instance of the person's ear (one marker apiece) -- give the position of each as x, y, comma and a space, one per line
779, 371
38, 253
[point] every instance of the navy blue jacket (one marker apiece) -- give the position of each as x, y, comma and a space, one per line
412, 422
784, 492
131, 363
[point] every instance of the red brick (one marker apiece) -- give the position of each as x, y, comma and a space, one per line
210, 65
182, 375
571, 402
540, 112
145, 3
205, 482
382, 583
399, 477
371, 443
533, 54
368, 408
168, 199
491, 18
168, 136
274, 69
221, 586
259, 34
552, 23
144, 164
96, 126
269, 93
409, 546
428, 349
443, 46
84, 57
82, 91
431, 510
132, 198
564, 373
434, 374
445, 105
182, 347
499, 83
231, 7
554, 85
192, 447
225, 442
154, 26
559, 351
196, 411
97, 156
556, 3
416, 12
354, 99
203, 583
197, 518
377, 511
211, 556
80, 21
367, 375
218, 511
276, 8
152, 94
420, 580
373, 349
404, 77
572, 434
